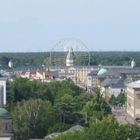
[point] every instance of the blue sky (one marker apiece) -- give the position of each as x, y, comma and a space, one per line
37, 25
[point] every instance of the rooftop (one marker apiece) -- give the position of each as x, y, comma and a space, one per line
4, 113
135, 84
113, 83
119, 71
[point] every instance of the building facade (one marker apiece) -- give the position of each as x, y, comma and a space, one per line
133, 100
2, 92
6, 130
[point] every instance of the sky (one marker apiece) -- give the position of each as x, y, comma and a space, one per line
37, 25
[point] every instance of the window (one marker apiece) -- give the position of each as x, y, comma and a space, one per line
6, 126
138, 95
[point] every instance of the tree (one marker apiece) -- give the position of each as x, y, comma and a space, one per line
128, 131
72, 136
105, 129
4, 61
112, 100
97, 108
59, 127
32, 118
64, 98
25, 89
119, 100
66, 108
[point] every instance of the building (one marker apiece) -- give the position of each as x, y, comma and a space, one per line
91, 80
6, 130
44, 76
88, 77
2, 92
113, 86
133, 101
77, 74
115, 72
81, 73
70, 58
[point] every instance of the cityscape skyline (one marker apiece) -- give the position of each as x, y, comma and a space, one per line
34, 26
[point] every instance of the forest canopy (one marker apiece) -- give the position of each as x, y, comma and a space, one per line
38, 59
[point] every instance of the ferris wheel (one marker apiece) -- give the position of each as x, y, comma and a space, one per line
61, 48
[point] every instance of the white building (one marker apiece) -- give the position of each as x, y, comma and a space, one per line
70, 58
3, 92
133, 64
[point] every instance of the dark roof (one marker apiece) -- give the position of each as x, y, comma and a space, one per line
93, 73
131, 71
114, 83
120, 71
110, 73
116, 67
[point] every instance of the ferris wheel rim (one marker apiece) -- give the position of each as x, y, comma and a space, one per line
74, 40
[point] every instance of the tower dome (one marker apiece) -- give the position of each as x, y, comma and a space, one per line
101, 71
10, 64
133, 63
4, 113
70, 57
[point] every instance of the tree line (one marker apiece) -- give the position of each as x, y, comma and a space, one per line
58, 58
